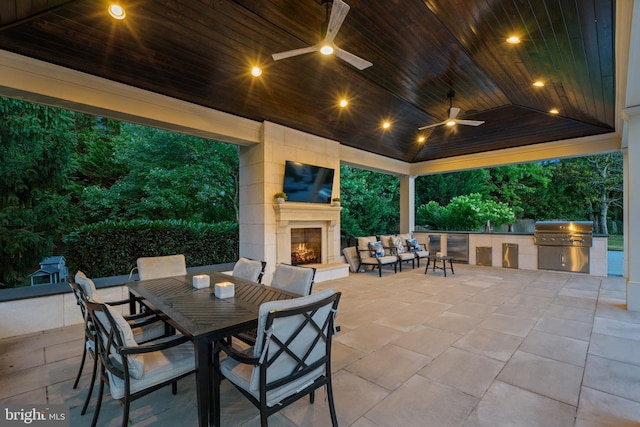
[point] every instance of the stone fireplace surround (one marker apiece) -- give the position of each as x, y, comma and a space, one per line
292, 215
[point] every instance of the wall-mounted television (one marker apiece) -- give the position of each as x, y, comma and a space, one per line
307, 183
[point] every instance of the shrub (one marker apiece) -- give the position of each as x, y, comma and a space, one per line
111, 248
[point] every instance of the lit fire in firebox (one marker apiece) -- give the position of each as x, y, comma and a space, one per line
300, 254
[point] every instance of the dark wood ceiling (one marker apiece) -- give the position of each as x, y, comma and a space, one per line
201, 51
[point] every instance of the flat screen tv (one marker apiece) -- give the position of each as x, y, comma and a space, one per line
307, 183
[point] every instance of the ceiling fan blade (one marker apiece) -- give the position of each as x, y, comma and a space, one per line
453, 113
339, 10
470, 122
431, 126
295, 52
352, 59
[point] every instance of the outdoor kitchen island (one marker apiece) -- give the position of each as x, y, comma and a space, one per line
520, 249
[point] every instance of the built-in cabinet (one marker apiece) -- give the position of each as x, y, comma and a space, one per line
488, 248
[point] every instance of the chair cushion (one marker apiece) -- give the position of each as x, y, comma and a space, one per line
404, 236
148, 332
161, 266
376, 249
247, 269
363, 243
159, 366
293, 279
88, 287
387, 243
135, 361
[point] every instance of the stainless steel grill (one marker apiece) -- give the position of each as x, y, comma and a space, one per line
564, 245
564, 233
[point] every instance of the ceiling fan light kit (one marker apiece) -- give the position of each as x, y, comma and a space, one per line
453, 113
339, 10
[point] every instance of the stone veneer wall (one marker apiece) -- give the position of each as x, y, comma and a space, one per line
262, 175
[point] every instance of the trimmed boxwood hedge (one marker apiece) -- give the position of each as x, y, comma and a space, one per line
111, 248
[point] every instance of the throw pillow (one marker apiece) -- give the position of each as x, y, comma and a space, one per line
413, 245
397, 242
376, 249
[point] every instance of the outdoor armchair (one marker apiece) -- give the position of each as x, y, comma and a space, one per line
132, 370
419, 250
371, 253
291, 357
394, 245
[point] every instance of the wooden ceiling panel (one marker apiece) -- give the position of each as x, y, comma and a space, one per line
201, 51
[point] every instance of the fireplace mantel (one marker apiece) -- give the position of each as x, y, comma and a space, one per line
291, 211
301, 215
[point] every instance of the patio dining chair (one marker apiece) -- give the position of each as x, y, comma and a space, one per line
291, 357
249, 269
290, 278
158, 267
133, 370
371, 253
295, 279
146, 327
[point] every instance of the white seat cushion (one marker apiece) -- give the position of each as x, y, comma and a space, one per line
158, 367
161, 266
293, 279
247, 269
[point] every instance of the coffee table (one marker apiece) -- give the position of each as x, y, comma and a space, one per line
444, 259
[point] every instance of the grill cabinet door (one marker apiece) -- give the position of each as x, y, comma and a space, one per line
563, 258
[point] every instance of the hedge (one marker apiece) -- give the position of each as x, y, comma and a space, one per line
111, 248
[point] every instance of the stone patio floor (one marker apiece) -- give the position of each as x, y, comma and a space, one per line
485, 347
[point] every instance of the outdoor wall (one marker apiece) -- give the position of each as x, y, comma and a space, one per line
262, 175
31, 315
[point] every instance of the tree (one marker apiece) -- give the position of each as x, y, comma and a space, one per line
465, 213
441, 188
589, 187
370, 203
168, 176
522, 187
36, 153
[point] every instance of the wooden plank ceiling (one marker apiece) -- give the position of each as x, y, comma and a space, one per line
202, 50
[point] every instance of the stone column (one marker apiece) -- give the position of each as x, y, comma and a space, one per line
632, 209
407, 203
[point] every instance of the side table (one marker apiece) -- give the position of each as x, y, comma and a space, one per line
444, 260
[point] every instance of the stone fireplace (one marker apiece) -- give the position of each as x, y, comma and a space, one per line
307, 233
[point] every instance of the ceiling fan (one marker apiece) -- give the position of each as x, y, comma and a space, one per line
339, 10
453, 113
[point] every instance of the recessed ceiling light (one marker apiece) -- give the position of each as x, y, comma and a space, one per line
538, 83
554, 111
326, 49
116, 11
343, 103
513, 40
386, 124
421, 139
256, 71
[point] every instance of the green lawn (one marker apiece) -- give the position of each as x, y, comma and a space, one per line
615, 242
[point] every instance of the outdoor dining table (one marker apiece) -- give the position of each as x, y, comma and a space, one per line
205, 319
